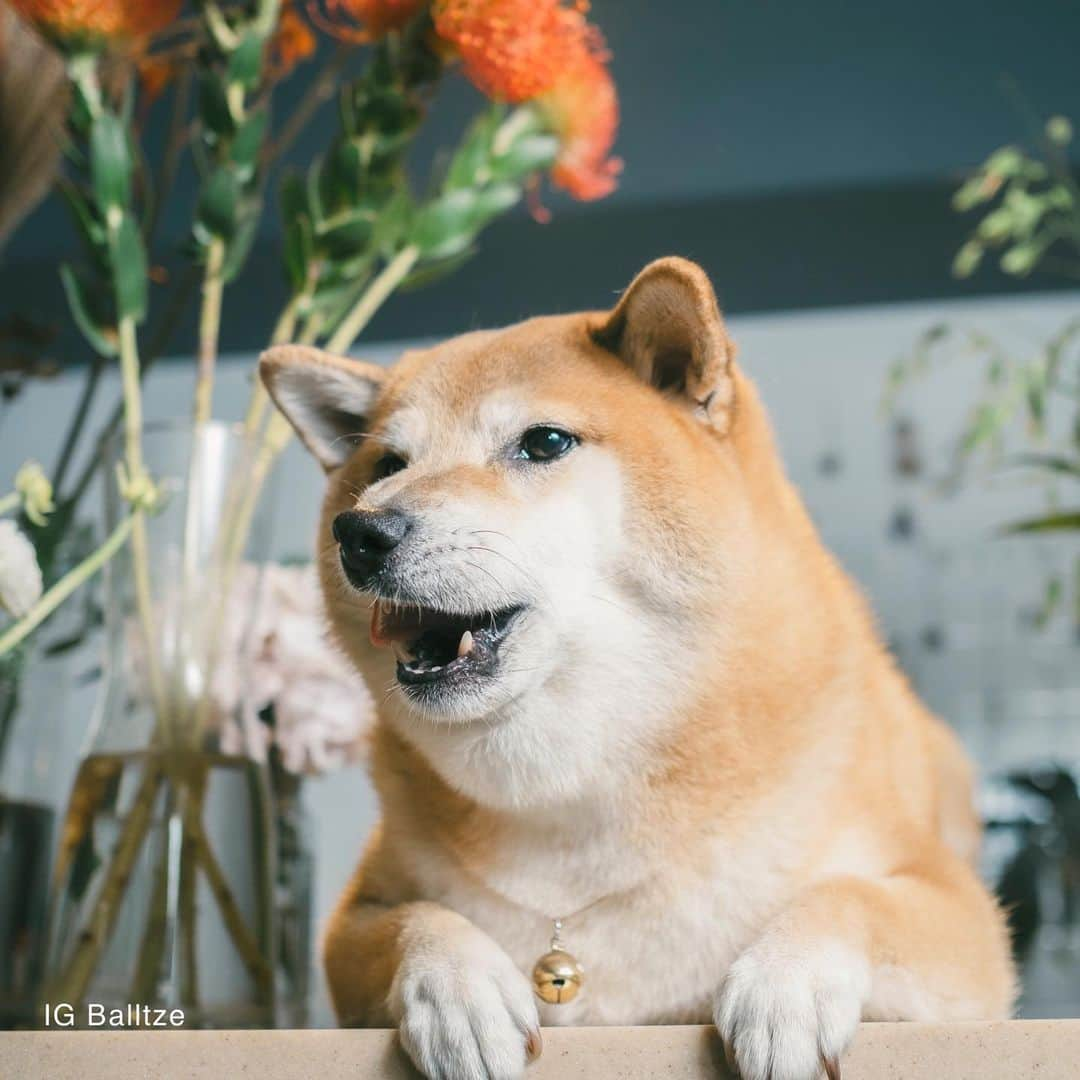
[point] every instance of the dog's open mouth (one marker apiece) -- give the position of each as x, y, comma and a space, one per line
435, 647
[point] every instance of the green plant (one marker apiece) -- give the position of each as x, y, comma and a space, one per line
1029, 218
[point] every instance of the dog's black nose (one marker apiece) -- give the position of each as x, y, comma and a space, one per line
367, 537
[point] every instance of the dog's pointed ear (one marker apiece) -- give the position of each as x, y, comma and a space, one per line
326, 398
667, 327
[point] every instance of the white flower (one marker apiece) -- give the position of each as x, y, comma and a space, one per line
323, 712
20, 576
269, 647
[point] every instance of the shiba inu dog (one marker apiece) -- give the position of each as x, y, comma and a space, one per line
625, 686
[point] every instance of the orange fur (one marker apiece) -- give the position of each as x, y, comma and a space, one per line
795, 769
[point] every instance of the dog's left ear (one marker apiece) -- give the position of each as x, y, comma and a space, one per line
668, 328
326, 398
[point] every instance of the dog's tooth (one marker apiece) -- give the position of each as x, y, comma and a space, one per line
465, 644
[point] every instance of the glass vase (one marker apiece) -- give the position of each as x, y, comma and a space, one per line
45, 686
164, 884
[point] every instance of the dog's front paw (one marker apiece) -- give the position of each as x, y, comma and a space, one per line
464, 1012
788, 1010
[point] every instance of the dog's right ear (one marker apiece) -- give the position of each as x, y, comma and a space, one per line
326, 398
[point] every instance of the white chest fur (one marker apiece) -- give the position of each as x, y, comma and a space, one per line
656, 936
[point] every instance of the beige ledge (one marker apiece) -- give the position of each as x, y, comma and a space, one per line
1047, 1049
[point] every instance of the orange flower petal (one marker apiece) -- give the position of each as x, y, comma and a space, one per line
362, 20
512, 50
68, 20
583, 111
293, 42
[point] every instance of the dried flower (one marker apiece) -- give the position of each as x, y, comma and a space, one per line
362, 20
20, 575
293, 42
36, 492
71, 21
583, 111
513, 50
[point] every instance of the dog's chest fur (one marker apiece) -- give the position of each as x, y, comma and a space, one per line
655, 936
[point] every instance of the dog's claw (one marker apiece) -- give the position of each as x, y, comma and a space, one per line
832, 1068
534, 1045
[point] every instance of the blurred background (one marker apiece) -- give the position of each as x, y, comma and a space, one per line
807, 155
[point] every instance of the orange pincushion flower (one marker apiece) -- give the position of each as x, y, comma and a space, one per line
362, 20
293, 41
512, 50
583, 111
83, 20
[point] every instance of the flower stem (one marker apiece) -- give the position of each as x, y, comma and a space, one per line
320, 90
59, 592
71, 983
374, 296
246, 944
209, 328
138, 482
129, 378
283, 331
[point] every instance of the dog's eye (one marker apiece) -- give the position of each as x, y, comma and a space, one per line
386, 466
545, 444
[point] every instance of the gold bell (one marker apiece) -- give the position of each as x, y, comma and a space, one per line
557, 977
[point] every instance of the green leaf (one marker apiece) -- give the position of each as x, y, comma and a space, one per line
528, 154
1063, 522
293, 197
314, 197
214, 105
218, 202
101, 339
979, 189
1059, 131
494, 200
1021, 259
128, 256
473, 156
342, 172
247, 144
967, 259
110, 163
989, 419
444, 226
347, 237
297, 251
996, 226
239, 246
334, 301
1055, 463
392, 223
245, 63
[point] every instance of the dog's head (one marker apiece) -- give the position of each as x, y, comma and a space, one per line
527, 532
